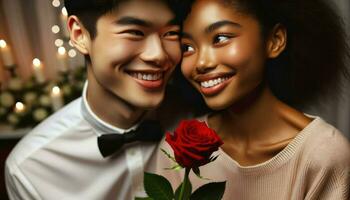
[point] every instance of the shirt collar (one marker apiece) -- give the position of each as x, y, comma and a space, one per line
97, 123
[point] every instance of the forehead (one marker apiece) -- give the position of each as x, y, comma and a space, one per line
206, 12
154, 11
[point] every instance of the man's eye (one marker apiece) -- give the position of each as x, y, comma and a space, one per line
221, 38
135, 32
172, 33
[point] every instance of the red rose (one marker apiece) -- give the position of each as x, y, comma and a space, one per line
193, 143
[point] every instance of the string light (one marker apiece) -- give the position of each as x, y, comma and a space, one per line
64, 12
55, 29
70, 43
72, 53
56, 3
61, 50
59, 42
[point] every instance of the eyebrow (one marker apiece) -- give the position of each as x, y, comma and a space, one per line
141, 22
213, 27
133, 21
216, 25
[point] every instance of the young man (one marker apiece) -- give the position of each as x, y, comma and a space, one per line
131, 48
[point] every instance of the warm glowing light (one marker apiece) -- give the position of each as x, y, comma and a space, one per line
36, 62
56, 3
59, 42
55, 29
3, 43
61, 50
19, 107
72, 53
56, 90
64, 11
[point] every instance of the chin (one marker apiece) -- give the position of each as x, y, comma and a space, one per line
217, 104
148, 103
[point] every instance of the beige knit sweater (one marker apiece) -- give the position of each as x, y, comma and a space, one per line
315, 165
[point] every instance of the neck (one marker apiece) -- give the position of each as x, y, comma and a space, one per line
257, 118
110, 107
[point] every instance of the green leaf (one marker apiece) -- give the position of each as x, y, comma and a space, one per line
176, 167
187, 191
197, 172
168, 155
158, 187
210, 191
213, 158
143, 198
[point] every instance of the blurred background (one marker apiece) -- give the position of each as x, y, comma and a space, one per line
40, 71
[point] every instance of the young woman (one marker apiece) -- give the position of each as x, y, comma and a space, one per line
255, 63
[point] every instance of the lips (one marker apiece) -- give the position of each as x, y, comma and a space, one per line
148, 79
212, 84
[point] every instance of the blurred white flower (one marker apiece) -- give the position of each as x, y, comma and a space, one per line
67, 90
13, 119
40, 114
2, 110
45, 100
29, 84
15, 84
30, 97
7, 99
80, 85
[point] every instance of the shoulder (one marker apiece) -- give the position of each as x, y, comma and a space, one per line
327, 148
54, 126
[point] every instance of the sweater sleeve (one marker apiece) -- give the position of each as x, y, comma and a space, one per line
331, 167
331, 186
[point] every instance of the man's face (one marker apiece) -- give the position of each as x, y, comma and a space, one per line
136, 49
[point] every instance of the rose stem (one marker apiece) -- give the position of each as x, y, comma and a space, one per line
184, 183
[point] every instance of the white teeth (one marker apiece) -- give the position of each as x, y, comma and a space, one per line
147, 76
212, 83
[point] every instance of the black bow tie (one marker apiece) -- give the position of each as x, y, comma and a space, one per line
149, 131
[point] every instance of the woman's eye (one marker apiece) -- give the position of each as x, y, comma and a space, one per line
220, 39
186, 49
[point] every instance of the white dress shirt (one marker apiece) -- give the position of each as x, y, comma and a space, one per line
59, 159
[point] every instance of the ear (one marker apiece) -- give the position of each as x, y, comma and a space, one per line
79, 36
277, 41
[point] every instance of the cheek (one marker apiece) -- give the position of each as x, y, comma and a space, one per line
173, 50
188, 65
234, 55
110, 52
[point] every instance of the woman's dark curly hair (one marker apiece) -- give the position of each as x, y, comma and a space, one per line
314, 60
89, 11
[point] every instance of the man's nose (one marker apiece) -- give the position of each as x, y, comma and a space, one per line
154, 51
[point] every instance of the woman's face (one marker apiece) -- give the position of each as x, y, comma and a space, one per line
223, 53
